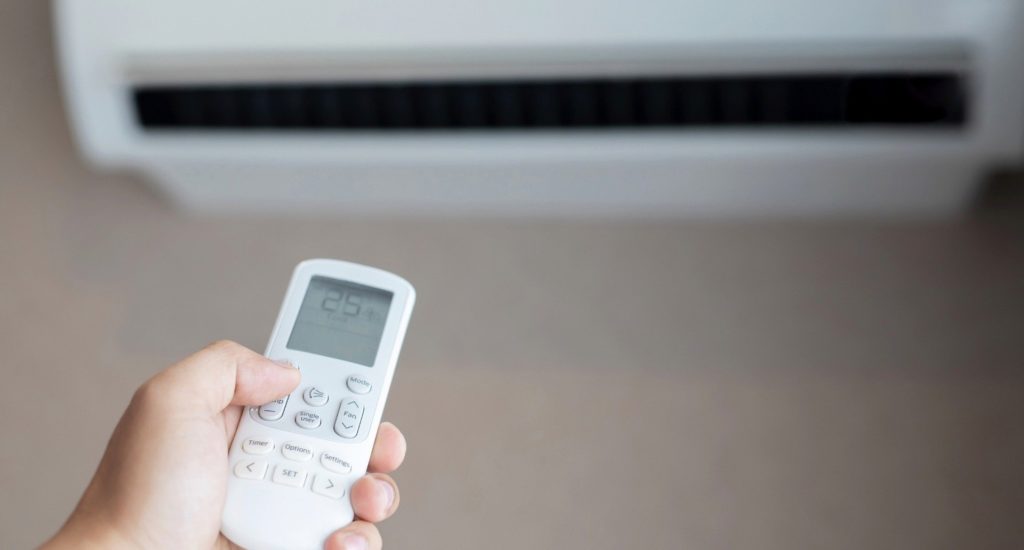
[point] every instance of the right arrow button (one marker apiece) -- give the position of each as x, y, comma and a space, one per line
350, 414
328, 486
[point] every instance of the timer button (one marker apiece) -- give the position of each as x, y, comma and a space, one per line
359, 384
257, 445
307, 420
315, 396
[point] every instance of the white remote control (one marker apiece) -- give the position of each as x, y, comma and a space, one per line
294, 460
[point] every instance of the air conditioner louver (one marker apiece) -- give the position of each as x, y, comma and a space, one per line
838, 100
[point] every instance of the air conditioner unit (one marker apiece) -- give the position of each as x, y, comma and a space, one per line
574, 107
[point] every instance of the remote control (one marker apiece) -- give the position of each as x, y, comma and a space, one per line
293, 461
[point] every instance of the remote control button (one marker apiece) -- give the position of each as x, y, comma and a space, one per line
273, 410
289, 476
328, 487
296, 451
251, 469
359, 384
349, 416
335, 463
307, 420
315, 396
258, 445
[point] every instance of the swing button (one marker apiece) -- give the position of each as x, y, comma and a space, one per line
315, 396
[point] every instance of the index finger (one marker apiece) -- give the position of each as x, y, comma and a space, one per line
388, 451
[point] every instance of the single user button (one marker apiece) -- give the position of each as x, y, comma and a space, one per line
289, 476
307, 420
258, 445
251, 469
315, 396
359, 384
335, 463
296, 451
328, 486
273, 410
349, 416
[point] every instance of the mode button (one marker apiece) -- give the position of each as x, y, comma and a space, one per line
359, 384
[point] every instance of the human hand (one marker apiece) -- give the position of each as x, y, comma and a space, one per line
162, 480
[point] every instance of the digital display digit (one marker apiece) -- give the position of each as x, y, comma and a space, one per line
342, 320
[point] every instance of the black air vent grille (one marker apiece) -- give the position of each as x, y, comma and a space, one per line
842, 100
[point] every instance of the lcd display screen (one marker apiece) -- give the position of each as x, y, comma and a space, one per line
342, 320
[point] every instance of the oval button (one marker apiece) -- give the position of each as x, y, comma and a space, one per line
258, 445
315, 396
307, 420
274, 409
359, 384
296, 451
335, 463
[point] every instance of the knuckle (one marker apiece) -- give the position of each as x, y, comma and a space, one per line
153, 393
224, 346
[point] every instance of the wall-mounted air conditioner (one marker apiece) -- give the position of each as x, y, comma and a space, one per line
649, 107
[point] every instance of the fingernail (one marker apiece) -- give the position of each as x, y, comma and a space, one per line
388, 492
355, 542
284, 363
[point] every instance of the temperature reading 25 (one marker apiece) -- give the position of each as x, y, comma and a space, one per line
333, 302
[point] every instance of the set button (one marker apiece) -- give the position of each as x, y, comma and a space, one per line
286, 475
307, 420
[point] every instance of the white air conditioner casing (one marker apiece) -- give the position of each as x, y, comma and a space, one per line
108, 47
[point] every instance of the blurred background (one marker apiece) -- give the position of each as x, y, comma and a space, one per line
715, 364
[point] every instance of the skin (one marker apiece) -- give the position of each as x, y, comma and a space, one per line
165, 466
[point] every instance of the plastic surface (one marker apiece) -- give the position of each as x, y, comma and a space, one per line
263, 514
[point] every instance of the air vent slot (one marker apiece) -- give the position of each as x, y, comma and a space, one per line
758, 101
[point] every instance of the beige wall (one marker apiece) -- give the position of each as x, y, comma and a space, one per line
572, 386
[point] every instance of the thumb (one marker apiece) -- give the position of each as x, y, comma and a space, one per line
226, 373
358, 535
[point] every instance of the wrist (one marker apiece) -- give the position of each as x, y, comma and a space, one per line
86, 535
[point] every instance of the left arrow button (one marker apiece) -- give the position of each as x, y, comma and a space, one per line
251, 469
